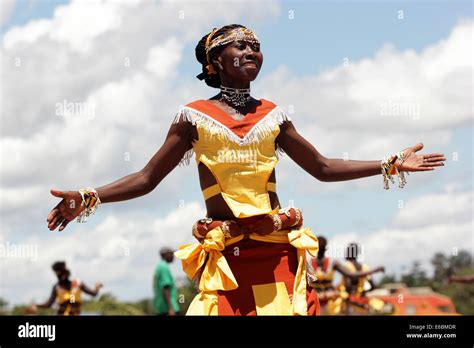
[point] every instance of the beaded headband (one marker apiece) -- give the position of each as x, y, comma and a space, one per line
236, 34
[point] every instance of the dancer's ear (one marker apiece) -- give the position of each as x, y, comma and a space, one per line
218, 63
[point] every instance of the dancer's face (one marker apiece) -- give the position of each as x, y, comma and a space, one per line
239, 63
62, 276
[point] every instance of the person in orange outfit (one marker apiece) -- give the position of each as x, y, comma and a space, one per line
324, 267
355, 283
250, 258
66, 292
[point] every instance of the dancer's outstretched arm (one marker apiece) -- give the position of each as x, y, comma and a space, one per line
50, 301
92, 292
178, 141
333, 169
357, 274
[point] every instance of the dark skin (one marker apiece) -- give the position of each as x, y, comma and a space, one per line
351, 281
238, 64
352, 277
340, 268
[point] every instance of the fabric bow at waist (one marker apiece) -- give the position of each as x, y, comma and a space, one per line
217, 274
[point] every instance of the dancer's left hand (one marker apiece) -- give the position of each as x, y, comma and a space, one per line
415, 163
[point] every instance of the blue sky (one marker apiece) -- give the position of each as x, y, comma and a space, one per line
317, 40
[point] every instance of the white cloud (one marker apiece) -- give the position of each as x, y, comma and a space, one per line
426, 225
163, 59
79, 24
435, 208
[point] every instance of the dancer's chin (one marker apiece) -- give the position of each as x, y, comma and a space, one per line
251, 74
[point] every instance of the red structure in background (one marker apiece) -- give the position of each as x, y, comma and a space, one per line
414, 301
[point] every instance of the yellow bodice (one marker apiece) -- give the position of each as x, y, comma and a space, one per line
241, 155
69, 296
360, 281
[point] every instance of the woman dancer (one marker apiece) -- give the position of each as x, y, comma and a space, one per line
355, 283
330, 299
66, 292
251, 256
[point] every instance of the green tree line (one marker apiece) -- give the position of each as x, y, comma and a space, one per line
444, 266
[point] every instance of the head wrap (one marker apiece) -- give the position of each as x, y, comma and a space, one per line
59, 266
236, 34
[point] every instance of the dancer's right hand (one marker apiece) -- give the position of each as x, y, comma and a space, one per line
67, 210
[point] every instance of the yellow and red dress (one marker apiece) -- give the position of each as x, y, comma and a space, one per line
252, 275
355, 302
69, 300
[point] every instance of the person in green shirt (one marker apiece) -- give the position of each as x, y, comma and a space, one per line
166, 302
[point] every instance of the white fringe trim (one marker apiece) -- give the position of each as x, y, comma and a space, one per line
186, 158
256, 134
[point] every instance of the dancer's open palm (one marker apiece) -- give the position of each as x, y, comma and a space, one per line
416, 162
67, 210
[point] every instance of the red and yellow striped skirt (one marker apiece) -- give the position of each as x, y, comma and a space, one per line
258, 275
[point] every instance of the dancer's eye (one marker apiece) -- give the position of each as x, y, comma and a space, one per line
241, 45
256, 47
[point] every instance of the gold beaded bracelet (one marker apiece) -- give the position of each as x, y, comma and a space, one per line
90, 199
388, 169
298, 214
287, 212
225, 227
277, 223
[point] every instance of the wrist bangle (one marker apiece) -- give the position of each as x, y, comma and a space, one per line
90, 199
296, 212
389, 169
277, 223
225, 227
196, 233
401, 175
286, 211
298, 215
206, 221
